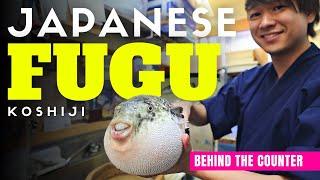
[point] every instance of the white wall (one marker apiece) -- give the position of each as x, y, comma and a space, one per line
242, 41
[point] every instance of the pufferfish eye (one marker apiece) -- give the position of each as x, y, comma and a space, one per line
150, 108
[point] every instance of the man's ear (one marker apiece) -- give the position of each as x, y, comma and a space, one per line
311, 17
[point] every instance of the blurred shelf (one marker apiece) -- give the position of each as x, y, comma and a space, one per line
239, 61
75, 130
240, 68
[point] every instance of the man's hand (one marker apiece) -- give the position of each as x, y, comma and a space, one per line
193, 112
186, 108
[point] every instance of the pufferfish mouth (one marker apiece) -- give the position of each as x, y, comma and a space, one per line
120, 130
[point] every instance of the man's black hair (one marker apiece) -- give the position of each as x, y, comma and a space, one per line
304, 6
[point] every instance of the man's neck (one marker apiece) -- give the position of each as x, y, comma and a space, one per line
282, 61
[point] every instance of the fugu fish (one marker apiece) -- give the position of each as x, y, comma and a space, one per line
144, 137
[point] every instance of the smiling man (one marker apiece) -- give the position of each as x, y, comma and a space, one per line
277, 106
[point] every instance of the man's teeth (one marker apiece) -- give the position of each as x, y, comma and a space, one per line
121, 126
270, 35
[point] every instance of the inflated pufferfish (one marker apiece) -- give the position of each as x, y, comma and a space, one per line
144, 137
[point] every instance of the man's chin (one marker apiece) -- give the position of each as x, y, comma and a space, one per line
273, 49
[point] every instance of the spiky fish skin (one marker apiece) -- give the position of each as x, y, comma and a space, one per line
155, 143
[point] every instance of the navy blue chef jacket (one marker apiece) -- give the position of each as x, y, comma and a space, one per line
272, 114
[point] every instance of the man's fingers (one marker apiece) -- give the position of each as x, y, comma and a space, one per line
184, 108
186, 143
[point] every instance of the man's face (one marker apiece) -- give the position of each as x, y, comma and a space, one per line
277, 27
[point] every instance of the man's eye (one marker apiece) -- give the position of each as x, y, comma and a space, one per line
279, 8
254, 16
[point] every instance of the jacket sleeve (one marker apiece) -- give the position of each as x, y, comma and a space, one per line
223, 109
307, 132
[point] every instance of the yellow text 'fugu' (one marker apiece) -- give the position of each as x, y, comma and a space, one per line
120, 69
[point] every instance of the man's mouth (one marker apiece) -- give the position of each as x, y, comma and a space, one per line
270, 37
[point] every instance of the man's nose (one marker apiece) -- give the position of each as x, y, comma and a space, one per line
267, 21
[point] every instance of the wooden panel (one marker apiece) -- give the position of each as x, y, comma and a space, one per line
242, 25
240, 61
239, 58
261, 56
